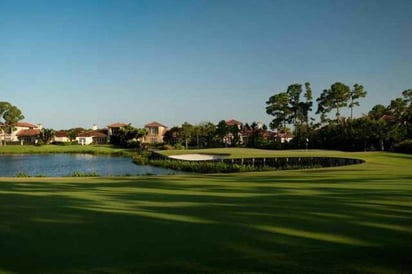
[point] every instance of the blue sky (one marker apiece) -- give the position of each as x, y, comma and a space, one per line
78, 63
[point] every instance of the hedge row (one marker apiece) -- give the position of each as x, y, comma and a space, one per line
404, 146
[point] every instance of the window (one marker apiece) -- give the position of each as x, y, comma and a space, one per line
154, 131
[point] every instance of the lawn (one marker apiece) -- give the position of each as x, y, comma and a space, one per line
352, 219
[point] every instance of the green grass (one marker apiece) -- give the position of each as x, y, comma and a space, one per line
92, 149
352, 219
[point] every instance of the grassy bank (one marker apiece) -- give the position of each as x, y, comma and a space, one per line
91, 149
354, 219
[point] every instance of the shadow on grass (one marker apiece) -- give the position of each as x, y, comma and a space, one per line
204, 224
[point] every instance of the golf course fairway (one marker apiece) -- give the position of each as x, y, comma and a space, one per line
351, 219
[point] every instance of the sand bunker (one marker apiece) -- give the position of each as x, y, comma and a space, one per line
197, 157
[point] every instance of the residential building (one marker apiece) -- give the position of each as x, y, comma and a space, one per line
23, 132
155, 133
61, 137
114, 131
28, 136
91, 137
231, 123
284, 137
230, 138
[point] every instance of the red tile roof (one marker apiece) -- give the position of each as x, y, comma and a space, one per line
117, 125
387, 117
285, 135
24, 124
155, 124
233, 123
91, 134
28, 132
61, 134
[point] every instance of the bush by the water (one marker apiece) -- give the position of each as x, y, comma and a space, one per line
142, 158
82, 174
202, 166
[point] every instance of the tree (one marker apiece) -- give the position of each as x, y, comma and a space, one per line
397, 109
208, 131
222, 130
334, 98
407, 94
47, 135
187, 133
377, 112
9, 117
73, 132
278, 107
294, 106
300, 109
401, 111
256, 134
287, 107
234, 134
306, 106
384, 128
356, 93
130, 136
173, 136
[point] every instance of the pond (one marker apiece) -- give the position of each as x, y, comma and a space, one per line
59, 165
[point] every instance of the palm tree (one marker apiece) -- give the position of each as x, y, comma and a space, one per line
47, 135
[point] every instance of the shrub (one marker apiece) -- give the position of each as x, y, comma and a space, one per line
167, 147
22, 175
140, 159
202, 166
81, 174
404, 146
252, 164
179, 146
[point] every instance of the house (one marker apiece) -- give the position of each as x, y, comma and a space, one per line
114, 131
155, 133
91, 137
61, 137
231, 123
28, 136
285, 137
23, 132
229, 138
256, 133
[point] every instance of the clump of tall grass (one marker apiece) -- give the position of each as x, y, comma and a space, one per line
84, 174
22, 175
